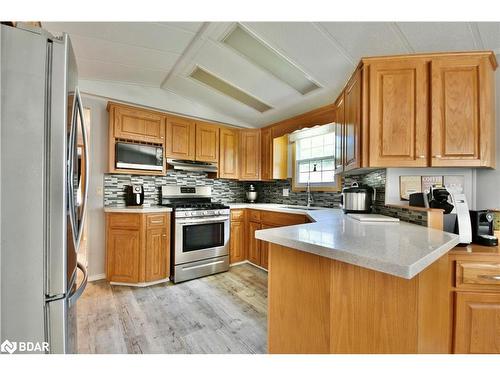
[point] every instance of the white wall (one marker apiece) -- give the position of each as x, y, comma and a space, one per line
392, 182
488, 181
98, 166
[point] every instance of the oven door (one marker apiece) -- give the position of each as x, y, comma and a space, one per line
201, 238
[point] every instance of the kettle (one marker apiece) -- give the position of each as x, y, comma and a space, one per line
357, 198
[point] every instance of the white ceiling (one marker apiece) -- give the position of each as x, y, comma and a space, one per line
159, 57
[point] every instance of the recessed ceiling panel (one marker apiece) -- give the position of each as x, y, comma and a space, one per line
264, 56
207, 78
438, 36
361, 39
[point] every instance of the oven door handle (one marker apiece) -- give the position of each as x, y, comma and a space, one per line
219, 219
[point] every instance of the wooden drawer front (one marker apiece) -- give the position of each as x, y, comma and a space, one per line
156, 220
122, 220
237, 215
254, 215
282, 219
477, 275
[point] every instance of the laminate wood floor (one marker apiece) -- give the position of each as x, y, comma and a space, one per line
223, 313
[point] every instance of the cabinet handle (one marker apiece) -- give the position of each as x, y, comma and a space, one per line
156, 221
437, 156
490, 277
164, 235
421, 156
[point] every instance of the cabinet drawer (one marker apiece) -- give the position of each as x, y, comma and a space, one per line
237, 215
477, 275
123, 220
156, 220
254, 215
282, 219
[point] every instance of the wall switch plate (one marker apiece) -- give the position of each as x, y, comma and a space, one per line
286, 192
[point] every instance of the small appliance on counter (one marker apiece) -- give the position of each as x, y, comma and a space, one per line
482, 228
357, 198
134, 195
251, 194
456, 218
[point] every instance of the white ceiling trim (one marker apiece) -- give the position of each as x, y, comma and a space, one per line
397, 30
476, 36
335, 43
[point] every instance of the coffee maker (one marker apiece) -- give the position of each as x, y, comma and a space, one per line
482, 228
134, 195
456, 218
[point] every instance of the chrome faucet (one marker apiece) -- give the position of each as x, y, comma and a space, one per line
310, 199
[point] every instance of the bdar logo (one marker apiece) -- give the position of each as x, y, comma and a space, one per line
8, 347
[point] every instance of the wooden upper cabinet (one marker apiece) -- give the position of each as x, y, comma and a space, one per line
477, 323
352, 120
339, 133
228, 153
398, 107
137, 124
250, 155
462, 112
266, 139
207, 142
180, 141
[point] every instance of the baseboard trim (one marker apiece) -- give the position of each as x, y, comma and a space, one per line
247, 261
99, 276
141, 285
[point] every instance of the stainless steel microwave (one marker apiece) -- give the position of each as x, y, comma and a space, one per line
138, 156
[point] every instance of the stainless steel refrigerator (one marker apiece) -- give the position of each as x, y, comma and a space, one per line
44, 179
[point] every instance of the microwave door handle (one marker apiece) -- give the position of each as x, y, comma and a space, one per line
69, 176
83, 211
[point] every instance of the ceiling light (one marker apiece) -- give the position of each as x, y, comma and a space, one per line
268, 59
226, 88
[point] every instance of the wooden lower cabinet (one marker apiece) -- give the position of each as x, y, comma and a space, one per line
123, 252
477, 323
237, 243
253, 243
264, 249
137, 247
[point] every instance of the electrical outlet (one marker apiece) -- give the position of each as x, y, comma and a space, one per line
286, 192
99, 191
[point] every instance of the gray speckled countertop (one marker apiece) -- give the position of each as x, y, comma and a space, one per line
400, 249
138, 210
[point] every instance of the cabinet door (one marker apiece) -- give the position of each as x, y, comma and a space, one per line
250, 155
398, 113
352, 120
264, 249
228, 162
180, 141
123, 252
138, 125
339, 133
207, 142
266, 138
238, 241
462, 112
156, 254
253, 244
477, 323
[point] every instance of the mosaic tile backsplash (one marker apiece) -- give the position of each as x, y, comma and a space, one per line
230, 191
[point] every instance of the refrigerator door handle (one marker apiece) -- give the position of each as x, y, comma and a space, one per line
73, 297
70, 171
86, 176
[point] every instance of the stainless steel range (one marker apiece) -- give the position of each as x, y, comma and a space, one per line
200, 232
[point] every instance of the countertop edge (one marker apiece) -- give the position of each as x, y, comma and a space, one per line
142, 210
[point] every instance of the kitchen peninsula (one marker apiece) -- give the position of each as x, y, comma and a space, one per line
341, 286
